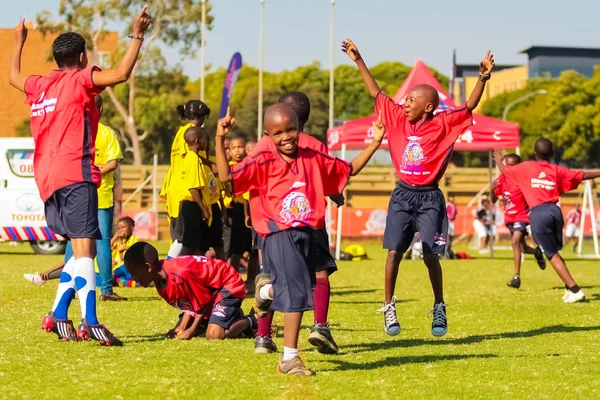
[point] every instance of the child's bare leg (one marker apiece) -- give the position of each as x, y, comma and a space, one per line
392, 265
291, 330
562, 271
517, 243
432, 261
216, 332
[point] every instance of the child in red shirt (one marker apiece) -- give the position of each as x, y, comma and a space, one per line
199, 286
64, 124
421, 145
291, 182
542, 184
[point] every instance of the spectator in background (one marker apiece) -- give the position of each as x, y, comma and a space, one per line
484, 219
573, 221
451, 211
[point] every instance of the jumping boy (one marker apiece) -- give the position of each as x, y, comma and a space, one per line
64, 123
199, 286
542, 184
292, 182
516, 220
421, 145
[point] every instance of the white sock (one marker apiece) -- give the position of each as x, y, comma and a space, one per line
264, 292
289, 353
85, 281
67, 283
175, 249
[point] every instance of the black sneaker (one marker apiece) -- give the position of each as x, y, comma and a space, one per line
261, 306
390, 320
64, 328
264, 345
250, 332
515, 282
539, 258
439, 326
98, 332
320, 336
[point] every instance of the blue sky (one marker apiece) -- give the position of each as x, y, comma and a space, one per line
297, 31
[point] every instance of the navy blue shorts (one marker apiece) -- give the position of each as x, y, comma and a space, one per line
215, 230
547, 228
226, 312
517, 227
256, 240
288, 257
324, 261
416, 209
72, 211
195, 228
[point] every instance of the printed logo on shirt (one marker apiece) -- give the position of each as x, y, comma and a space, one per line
219, 310
212, 185
182, 304
413, 157
542, 175
295, 209
541, 183
439, 239
297, 185
43, 106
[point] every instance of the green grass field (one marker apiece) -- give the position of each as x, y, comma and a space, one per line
501, 342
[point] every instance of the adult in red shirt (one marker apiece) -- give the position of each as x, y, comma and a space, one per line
199, 286
292, 182
64, 123
516, 220
542, 184
421, 144
451, 212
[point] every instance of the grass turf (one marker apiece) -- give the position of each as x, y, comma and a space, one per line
501, 342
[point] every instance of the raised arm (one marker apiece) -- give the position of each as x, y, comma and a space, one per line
224, 126
499, 160
121, 74
351, 50
363, 158
485, 70
14, 72
591, 175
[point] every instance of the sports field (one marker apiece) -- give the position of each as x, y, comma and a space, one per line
501, 342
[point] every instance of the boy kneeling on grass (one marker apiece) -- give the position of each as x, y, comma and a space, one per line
203, 288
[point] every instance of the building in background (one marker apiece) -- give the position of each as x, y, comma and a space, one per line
37, 57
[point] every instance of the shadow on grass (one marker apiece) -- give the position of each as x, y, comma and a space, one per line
337, 292
582, 287
395, 361
145, 298
157, 337
379, 302
403, 343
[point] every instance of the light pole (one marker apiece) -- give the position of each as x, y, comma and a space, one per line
331, 110
260, 69
203, 41
520, 99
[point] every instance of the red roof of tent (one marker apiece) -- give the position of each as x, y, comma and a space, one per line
486, 133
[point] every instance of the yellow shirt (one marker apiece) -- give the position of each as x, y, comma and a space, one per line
227, 200
107, 149
189, 174
178, 148
214, 185
116, 256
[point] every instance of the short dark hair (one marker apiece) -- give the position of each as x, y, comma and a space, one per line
128, 220
299, 103
193, 110
543, 149
514, 156
137, 255
67, 48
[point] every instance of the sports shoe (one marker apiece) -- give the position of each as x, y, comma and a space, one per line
566, 294
112, 297
320, 336
295, 366
264, 345
98, 332
64, 328
539, 258
36, 279
250, 332
439, 326
390, 320
571, 297
259, 305
515, 282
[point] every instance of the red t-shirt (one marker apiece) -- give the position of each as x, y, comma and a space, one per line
64, 123
451, 211
515, 206
542, 182
195, 283
574, 217
421, 152
290, 195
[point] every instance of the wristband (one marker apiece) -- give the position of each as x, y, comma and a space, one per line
140, 38
484, 77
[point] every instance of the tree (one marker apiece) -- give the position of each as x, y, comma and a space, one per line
175, 23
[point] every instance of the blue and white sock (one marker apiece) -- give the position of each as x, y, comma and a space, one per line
85, 282
66, 291
175, 249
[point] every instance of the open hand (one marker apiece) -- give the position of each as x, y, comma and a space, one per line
498, 157
184, 334
487, 64
21, 33
142, 22
248, 223
378, 129
350, 49
225, 124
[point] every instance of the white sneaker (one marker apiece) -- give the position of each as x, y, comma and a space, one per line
35, 279
565, 295
571, 297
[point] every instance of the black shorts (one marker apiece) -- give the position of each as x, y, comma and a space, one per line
215, 231
176, 228
256, 240
195, 228
240, 237
324, 261
72, 211
416, 209
518, 227
226, 312
288, 257
547, 224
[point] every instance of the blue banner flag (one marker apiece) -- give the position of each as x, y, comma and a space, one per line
232, 74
